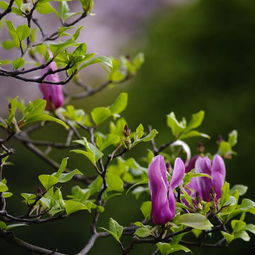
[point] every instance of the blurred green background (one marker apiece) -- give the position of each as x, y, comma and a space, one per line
199, 55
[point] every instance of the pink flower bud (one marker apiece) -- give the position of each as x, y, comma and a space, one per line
53, 94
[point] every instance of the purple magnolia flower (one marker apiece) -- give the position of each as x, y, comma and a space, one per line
53, 94
204, 186
162, 191
191, 164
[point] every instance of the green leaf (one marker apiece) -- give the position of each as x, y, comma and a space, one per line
6, 194
229, 238
251, 228
17, 63
87, 5
196, 120
120, 104
166, 248
193, 133
62, 167
176, 126
238, 225
147, 138
45, 8
92, 152
225, 194
146, 209
13, 33
18, 3
66, 177
243, 235
247, 204
28, 198
8, 45
96, 185
232, 138
48, 180
104, 60
72, 206
194, 220
115, 229
241, 189
110, 139
3, 187
100, 114
191, 175
138, 60
114, 182
3, 5
23, 32
45, 117
3, 225
143, 232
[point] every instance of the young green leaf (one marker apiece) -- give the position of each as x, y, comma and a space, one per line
194, 220
196, 120
114, 182
166, 248
100, 114
17, 63
176, 126
115, 229
72, 206
120, 104
48, 180
241, 189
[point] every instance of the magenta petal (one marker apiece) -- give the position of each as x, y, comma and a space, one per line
172, 203
53, 94
191, 164
218, 174
178, 173
159, 191
203, 165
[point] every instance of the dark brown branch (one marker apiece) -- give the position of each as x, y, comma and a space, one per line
90, 91
48, 143
10, 238
51, 162
8, 9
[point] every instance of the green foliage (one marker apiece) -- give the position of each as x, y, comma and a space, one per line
166, 248
115, 229
116, 167
182, 130
32, 112
194, 220
91, 151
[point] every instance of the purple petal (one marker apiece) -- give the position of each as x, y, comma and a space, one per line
218, 174
191, 164
178, 173
203, 165
159, 191
53, 94
172, 204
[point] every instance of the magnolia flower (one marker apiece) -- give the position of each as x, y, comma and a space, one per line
53, 94
191, 164
205, 186
162, 194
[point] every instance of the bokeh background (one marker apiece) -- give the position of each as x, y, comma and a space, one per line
199, 55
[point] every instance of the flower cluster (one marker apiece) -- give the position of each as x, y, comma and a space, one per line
162, 191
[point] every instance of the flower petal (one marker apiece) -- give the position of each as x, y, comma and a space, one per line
159, 191
178, 173
218, 174
203, 165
